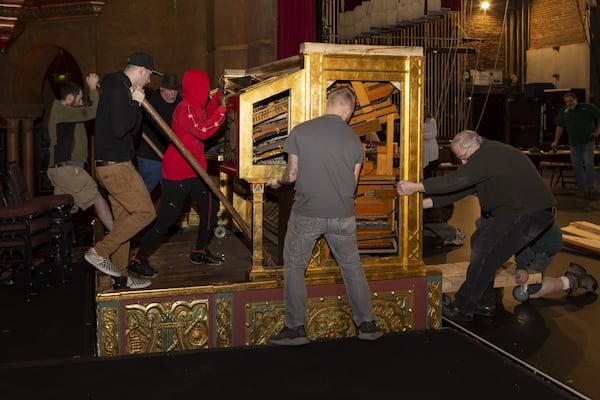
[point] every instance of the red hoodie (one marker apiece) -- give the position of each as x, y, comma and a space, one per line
192, 123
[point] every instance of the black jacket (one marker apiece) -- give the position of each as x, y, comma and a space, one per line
118, 118
151, 128
504, 179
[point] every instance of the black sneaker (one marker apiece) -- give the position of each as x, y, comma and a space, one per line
205, 257
369, 331
452, 312
139, 266
485, 311
290, 337
129, 282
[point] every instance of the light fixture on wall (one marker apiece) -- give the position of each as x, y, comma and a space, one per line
61, 68
485, 5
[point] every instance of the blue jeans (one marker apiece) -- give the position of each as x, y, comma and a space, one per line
150, 171
495, 240
582, 157
340, 233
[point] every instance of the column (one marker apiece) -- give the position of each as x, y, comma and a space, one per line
28, 163
12, 139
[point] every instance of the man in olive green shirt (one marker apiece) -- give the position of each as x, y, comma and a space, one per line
579, 119
69, 148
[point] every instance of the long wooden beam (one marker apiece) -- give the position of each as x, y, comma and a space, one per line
204, 175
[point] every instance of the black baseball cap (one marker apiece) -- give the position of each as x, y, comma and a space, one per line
143, 60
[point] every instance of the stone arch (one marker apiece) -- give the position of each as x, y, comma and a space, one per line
30, 74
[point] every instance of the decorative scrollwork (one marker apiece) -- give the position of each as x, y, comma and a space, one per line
155, 327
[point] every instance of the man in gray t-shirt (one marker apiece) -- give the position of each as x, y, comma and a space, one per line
329, 153
324, 160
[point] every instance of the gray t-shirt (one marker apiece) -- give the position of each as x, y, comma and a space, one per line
327, 150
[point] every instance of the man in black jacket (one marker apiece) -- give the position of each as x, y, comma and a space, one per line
164, 101
517, 208
118, 118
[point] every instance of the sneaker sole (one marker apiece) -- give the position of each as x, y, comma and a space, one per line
139, 287
100, 268
205, 262
299, 341
370, 335
485, 314
131, 287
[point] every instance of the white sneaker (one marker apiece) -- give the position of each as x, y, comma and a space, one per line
129, 282
101, 263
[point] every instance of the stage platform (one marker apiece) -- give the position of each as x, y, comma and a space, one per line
437, 364
191, 307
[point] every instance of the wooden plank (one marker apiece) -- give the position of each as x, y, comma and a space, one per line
379, 90
574, 230
588, 226
581, 243
366, 127
454, 274
277, 128
376, 113
366, 207
264, 113
361, 95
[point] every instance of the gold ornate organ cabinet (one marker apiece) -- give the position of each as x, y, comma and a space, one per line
264, 104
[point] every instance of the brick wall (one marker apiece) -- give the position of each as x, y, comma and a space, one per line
557, 22
202, 34
487, 26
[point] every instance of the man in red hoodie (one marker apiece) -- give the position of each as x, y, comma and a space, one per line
193, 123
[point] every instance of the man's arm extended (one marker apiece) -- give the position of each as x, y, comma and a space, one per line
289, 175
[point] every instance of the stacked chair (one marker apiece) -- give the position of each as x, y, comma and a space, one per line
24, 229
60, 230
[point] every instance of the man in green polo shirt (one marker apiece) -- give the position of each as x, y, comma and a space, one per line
579, 119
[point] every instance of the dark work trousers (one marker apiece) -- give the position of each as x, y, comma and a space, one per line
492, 244
173, 197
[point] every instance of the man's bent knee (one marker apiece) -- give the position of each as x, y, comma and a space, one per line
147, 216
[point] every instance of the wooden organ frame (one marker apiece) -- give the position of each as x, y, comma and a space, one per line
304, 79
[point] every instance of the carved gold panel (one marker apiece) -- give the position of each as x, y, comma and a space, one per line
168, 326
434, 304
223, 321
109, 320
329, 317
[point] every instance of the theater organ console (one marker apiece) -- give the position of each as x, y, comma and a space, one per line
266, 102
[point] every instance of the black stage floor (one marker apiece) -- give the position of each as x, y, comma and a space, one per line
48, 343
423, 365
